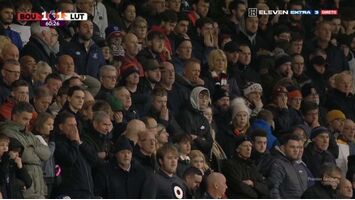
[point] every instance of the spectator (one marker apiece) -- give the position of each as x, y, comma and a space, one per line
192, 179
191, 75
199, 10
42, 99
168, 185
122, 177
131, 46
83, 56
43, 128
284, 180
345, 190
76, 159
35, 150
319, 74
41, 73
53, 82
298, 70
100, 17
183, 144
316, 153
43, 44
260, 154
129, 112
192, 121
98, 135
237, 10
10, 72
11, 53
265, 121
162, 136
144, 152
326, 188
152, 76
346, 144
183, 51
198, 160
294, 100
253, 93
14, 177
108, 79
128, 15
140, 28
243, 179
114, 35
216, 186
6, 18
134, 127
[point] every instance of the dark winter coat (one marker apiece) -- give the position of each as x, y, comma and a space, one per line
236, 170
115, 183
39, 51
169, 187
339, 100
319, 191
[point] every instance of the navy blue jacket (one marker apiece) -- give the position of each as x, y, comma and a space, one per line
15, 38
86, 63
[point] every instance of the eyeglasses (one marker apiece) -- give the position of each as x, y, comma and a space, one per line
11, 71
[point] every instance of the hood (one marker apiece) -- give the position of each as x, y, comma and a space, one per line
195, 94
15, 145
10, 125
251, 38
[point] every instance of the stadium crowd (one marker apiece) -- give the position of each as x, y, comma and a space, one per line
177, 99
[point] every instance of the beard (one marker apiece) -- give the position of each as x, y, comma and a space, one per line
86, 37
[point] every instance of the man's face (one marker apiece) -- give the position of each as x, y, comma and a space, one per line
11, 73
154, 76
77, 99
159, 102
324, 32
184, 50
104, 126
133, 79
295, 102
296, 17
4, 147
244, 150
207, 29
182, 27
346, 189
192, 72
54, 85
21, 94
193, 182
147, 142
184, 147
169, 162
222, 186
66, 65
125, 97
174, 5
202, 8
157, 45
131, 45
251, 24
223, 103
296, 47
86, 30
11, 53
158, 5
68, 126
285, 69
301, 149
6, 16
349, 130
298, 65
291, 149
240, 11
168, 74
336, 25
244, 55
260, 144
311, 116
345, 84
23, 118
124, 158
232, 57
28, 66
108, 79
313, 96
42, 103
168, 27
322, 141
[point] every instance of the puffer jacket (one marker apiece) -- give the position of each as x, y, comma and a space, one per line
34, 153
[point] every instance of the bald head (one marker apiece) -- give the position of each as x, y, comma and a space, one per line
345, 189
10, 52
66, 65
134, 127
216, 185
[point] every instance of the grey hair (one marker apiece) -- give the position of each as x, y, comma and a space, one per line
107, 68
37, 29
99, 116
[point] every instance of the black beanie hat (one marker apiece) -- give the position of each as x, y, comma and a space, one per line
284, 58
317, 131
122, 143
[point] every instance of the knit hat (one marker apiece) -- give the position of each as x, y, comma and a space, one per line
179, 40
16, 146
294, 93
307, 89
317, 131
318, 60
333, 115
240, 140
122, 143
231, 47
128, 71
282, 59
252, 87
116, 104
219, 93
113, 30
238, 105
